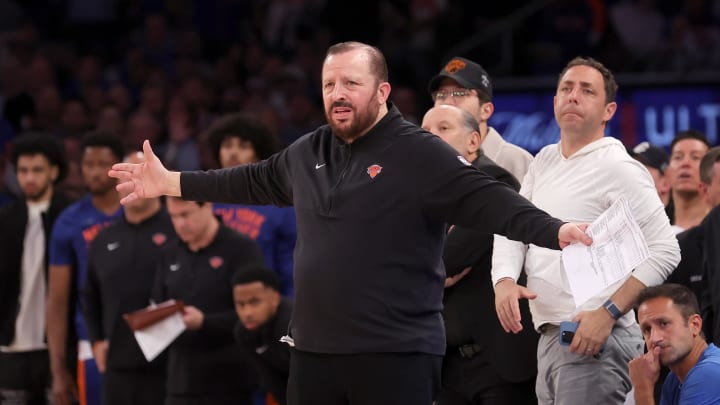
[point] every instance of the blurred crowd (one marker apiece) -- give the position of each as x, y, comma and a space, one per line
163, 70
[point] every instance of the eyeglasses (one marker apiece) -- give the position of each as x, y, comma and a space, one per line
442, 94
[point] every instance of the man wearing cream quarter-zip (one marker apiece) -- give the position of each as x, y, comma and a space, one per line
576, 180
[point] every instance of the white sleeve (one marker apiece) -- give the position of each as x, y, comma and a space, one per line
507, 259
654, 223
663, 246
509, 255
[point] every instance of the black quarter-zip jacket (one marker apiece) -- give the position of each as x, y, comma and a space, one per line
371, 221
122, 262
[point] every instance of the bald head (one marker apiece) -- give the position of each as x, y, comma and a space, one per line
455, 126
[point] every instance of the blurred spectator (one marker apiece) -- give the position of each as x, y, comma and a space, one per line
640, 27
152, 100
141, 126
405, 100
241, 139
688, 207
75, 119
231, 100
565, 29
695, 37
111, 119
158, 43
119, 95
48, 108
180, 151
302, 117
38, 75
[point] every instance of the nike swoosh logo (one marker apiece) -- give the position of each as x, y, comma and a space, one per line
317, 165
113, 246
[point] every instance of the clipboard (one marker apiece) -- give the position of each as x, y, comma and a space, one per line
142, 318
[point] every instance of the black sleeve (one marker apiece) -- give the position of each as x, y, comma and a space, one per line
711, 276
459, 194
464, 246
266, 182
93, 305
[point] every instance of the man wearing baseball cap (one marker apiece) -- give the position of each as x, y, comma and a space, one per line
467, 85
656, 161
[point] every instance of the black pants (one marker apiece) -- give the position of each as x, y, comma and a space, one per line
131, 387
24, 377
473, 381
363, 379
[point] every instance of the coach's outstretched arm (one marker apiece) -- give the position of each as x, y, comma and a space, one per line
145, 180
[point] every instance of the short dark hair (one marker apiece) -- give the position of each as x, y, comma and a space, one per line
247, 128
681, 296
611, 85
172, 197
104, 139
378, 66
256, 272
40, 143
689, 134
706, 164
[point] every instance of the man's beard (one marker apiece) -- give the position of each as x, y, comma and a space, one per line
37, 195
361, 122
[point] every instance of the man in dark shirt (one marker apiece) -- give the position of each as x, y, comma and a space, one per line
264, 319
482, 363
205, 366
122, 261
372, 194
25, 225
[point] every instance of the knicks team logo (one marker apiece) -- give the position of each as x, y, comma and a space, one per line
216, 261
374, 170
159, 238
454, 66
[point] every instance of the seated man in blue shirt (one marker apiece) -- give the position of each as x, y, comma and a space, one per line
670, 320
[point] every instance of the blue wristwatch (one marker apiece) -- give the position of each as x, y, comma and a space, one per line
613, 309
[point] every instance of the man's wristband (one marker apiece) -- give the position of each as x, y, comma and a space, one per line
613, 309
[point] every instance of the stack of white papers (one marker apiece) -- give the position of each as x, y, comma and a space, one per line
156, 337
618, 247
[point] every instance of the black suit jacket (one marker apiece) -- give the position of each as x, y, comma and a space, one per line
689, 272
13, 221
469, 310
710, 301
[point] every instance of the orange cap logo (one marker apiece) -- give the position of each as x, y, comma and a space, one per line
454, 66
374, 170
